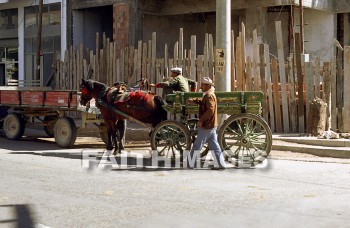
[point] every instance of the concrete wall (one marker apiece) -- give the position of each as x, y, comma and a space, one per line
342, 6
320, 32
168, 27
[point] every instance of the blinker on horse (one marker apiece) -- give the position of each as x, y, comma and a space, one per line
143, 106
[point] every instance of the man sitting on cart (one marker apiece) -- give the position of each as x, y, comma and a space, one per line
177, 83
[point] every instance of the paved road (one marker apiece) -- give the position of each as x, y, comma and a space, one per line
43, 185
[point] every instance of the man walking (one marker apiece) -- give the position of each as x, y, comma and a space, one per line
207, 124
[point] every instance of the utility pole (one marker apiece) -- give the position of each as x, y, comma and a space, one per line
223, 46
38, 41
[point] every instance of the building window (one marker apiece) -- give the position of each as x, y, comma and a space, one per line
8, 19
50, 39
50, 46
51, 15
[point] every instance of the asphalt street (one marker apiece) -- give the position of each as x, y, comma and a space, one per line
46, 186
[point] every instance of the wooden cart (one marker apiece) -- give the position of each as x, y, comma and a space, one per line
41, 106
244, 135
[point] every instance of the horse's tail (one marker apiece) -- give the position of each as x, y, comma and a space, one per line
160, 112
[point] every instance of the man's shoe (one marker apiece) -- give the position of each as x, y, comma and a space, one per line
218, 168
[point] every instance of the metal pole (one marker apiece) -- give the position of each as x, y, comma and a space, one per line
38, 41
223, 45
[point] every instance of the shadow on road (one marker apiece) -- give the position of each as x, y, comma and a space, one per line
21, 215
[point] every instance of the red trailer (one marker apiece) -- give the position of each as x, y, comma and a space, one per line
42, 106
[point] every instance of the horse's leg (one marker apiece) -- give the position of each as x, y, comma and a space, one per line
121, 132
109, 145
114, 136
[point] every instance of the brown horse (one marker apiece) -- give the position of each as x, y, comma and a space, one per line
143, 106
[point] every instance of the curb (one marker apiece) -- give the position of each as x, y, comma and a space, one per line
321, 151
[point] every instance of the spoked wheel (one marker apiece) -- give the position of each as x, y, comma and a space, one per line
14, 125
170, 139
246, 139
192, 126
65, 132
49, 125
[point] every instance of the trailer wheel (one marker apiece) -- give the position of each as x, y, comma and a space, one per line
65, 132
49, 125
14, 125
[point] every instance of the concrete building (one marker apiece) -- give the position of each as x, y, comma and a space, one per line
75, 22
18, 25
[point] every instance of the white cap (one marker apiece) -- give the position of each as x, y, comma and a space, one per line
207, 80
177, 70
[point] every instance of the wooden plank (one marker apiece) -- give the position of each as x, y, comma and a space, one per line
292, 98
334, 124
85, 70
110, 70
193, 57
71, 67
114, 59
309, 89
206, 55
154, 53
126, 65
121, 64
269, 86
340, 89
130, 64
255, 62
139, 61
74, 68
176, 54
318, 78
249, 78
149, 62
57, 78
276, 96
263, 82
282, 74
166, 61
239, 65
200, 73
97, 58
346, 109
101, 66
243, 46
211, 56
300, 84
327, 89
233, 62
144, 61
181, 47
92, 66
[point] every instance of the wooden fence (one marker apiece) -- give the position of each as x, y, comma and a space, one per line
289, 85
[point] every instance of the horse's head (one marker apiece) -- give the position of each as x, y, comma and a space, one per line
86, 93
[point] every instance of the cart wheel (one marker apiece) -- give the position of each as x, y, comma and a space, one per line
246, 139
65, 132
14, 125
49, 125
192, 126
170, 139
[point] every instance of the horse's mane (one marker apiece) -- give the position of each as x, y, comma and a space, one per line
95, 84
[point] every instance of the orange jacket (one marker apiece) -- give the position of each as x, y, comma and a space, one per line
208, 111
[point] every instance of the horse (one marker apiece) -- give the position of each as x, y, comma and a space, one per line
143, 106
